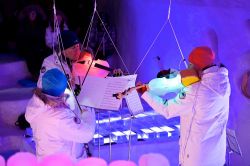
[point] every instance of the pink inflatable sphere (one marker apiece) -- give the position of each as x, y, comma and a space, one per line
2, 161
22, 159
93, 161
152, 158
56, 159
122, 163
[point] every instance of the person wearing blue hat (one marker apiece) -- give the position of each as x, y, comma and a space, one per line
53, 122
62, 60
54, 82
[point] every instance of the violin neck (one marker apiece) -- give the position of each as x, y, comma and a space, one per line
135, 87
139, 86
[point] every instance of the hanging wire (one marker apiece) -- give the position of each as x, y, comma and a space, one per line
177, 42
169, 8
60, 60
129, 140
89, 28
92, 61
77, 119
150, 47
98, 133
110, 38
110, 150
179, 65
55, 28
95, 11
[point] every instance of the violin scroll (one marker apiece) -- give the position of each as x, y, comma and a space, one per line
143, 87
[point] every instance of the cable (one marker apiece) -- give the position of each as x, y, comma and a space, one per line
54, 25
98, 132
112, 42
84, 79
76, 119
150, 47
177, 42
89, 28
129, 140
110, 150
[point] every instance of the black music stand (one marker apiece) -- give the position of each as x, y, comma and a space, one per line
232, 144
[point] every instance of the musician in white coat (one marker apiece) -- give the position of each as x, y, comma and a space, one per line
64, 59
203, 108
53, 123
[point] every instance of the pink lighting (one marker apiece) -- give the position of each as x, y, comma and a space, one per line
122, 163
2, 161
57, 159
22, 159
152, 158
92, 161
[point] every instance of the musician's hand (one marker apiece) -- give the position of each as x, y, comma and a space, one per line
143, 89
118, 95
117, 72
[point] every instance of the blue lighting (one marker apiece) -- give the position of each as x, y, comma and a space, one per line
148, 126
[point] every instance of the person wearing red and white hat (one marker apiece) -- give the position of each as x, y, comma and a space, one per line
203, 108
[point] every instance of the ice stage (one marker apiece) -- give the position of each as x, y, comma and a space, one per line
147, 133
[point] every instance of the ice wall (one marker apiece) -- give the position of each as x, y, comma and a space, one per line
224, 26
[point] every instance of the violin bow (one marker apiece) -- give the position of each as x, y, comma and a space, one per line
98, 66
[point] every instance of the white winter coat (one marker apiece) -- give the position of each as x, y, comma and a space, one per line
203, 109
55, 131
52, 62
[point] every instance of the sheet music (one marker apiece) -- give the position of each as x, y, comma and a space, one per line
133, 100
98, 92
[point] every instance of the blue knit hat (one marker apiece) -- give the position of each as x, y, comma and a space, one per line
54, 82
69, 39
